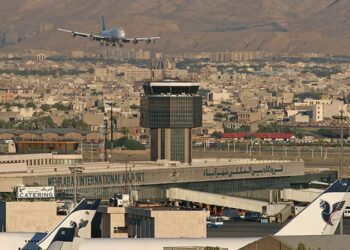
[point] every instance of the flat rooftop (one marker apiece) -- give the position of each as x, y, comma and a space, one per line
173, 84
170, 87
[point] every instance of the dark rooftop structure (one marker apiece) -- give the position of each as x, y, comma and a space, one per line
171, 109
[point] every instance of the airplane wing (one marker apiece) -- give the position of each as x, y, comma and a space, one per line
89, 35
140, 39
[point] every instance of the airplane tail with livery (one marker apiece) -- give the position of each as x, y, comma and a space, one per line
76, 222
322, 216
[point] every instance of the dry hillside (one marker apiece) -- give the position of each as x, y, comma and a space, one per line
292, 26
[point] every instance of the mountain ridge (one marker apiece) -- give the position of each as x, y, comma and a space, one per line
298, 26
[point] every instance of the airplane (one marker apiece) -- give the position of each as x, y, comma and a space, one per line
111, 37
320, 217
79, 218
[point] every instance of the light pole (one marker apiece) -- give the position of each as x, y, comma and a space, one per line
75, 170
112, 127
341, 117
105, 139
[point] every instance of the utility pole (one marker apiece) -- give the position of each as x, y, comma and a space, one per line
341, 117
75, 170
341, 227
106, 137
341, 142
112, 105
91, 152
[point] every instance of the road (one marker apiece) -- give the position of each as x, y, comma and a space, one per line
253, 229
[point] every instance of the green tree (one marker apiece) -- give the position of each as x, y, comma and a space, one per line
31, 105
268, 128
134, 106
4, 124
42, 123
127, 143
218, 116
243, 128
301, 246
305, 95
45, 122
299, 134
60, 106
75, 123
9, 196
124, 130
45, 107
217, 134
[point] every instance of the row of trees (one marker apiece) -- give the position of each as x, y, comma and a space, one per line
45, 122
273, 127
262, 128
44, 107
126, 143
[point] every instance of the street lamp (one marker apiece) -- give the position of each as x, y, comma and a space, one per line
112, 126
341, 117
75, 170
105, 139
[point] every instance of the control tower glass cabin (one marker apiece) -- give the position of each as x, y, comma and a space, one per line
171, 109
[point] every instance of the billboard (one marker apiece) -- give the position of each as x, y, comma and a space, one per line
47, 192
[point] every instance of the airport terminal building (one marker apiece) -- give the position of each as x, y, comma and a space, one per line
151, 179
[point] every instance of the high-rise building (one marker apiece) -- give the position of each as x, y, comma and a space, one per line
171, 109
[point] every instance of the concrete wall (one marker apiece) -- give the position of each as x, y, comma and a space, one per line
8, 184
147, 223
113, 218
180, 224
37, 216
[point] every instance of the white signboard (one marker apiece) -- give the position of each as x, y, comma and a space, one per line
36, 192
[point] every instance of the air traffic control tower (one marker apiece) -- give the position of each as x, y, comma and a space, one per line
171, 109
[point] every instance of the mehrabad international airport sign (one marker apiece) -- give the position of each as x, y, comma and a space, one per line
47, 192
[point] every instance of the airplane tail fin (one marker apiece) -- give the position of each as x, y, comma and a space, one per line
103, 26
80, 217
322, 216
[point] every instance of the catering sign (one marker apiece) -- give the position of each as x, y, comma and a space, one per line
47, 192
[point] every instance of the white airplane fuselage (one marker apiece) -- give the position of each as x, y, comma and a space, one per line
23, 241
113, 35
159, 244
